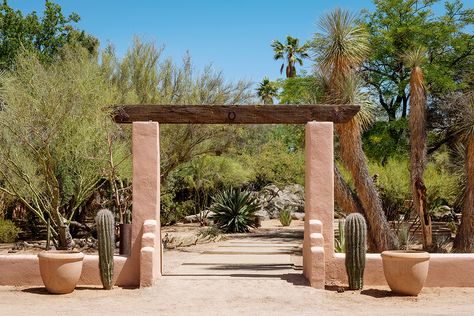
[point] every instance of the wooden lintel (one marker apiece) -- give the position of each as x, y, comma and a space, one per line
235, 114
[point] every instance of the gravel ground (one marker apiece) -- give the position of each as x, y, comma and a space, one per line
195, 284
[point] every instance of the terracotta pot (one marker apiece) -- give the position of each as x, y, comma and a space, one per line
405, 270
125, 244
60, 270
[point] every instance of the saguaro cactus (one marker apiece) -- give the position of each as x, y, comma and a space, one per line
356, 234
106, 238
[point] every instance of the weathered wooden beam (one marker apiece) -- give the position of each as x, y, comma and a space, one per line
235, 114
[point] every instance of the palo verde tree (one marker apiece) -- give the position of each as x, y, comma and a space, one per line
292, 52
398, 26
143, 77
53, 135
45, 35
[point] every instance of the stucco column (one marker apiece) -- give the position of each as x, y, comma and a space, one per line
319, 200
146, 203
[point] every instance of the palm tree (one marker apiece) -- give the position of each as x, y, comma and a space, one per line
417, 124
463, 130
266, 91
341, 48
292, 52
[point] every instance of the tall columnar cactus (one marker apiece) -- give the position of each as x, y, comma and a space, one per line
356, 234
106, 238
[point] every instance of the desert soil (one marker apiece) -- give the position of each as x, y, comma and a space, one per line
247, 274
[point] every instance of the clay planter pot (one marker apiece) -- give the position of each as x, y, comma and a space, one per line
405, 270
125, 244
60, 270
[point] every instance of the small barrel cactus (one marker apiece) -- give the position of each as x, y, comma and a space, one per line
106, 237
356, 234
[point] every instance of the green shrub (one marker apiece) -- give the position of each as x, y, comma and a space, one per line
173, 211
234, 211
8, 231
393, 181
276, 163
340, 243
285, 218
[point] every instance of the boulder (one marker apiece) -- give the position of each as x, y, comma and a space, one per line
297, 216
273, 199
196, 217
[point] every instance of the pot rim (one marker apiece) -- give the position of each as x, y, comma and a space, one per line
406, 254
59, 254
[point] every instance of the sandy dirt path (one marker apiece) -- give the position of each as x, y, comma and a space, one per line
257, 275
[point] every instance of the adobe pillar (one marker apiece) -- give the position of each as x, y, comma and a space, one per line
144, 264
319, 201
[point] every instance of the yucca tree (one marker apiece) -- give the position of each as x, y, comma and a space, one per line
417, 124
292, 52
267, 91
463, 130
341, 47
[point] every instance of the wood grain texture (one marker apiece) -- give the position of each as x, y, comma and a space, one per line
235, 114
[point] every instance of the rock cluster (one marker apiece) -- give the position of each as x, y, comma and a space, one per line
273, 200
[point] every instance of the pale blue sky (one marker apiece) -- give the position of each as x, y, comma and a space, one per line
233, 35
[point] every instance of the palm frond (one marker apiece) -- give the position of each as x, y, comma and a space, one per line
415, 57
342, 44
463, 126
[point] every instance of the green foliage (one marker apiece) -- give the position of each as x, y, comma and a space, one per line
106, 239
398, 26
143, 77
285, 218
292, 52
393, 181
300, 90
384, 140
54, 133
276, 163
172, 211
234, 210
8, 231
45, 35
267, 90
340, 243
405, 240
356, 240
191, 185
291, 135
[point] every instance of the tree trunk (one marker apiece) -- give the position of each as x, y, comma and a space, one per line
348, 201
392, 114
353, 158
404, 106
417, 124
465, 238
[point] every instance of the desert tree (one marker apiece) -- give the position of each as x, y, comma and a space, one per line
417, 125
292, 52
341, 47
53, 135
266, 91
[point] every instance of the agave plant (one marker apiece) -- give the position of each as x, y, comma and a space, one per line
234, 211
285, 218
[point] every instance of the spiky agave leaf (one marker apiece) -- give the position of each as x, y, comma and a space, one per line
234, 210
